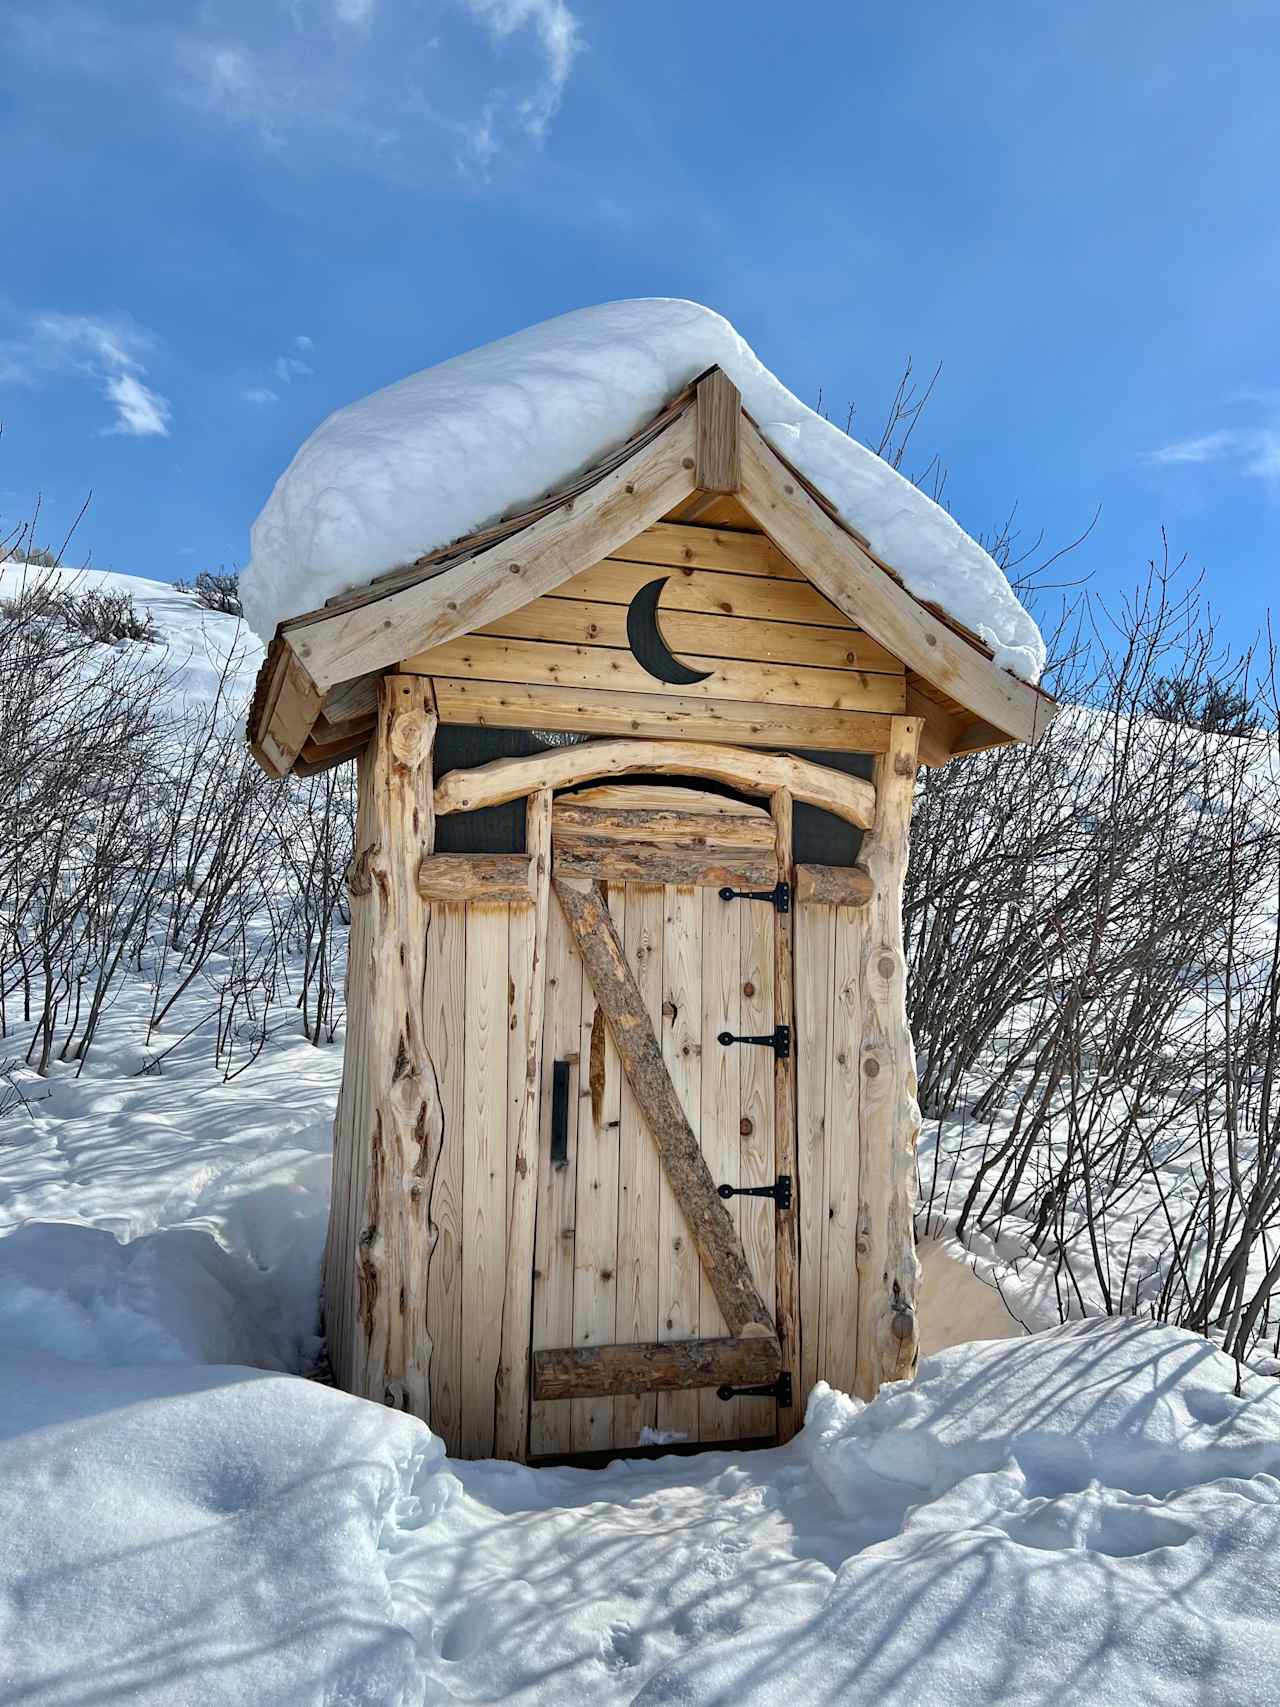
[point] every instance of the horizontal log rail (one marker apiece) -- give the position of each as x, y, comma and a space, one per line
837, 885
508, 878
661, 1366
849, 797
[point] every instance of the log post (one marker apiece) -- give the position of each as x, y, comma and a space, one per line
787, 1221
404, 1123
889, 1116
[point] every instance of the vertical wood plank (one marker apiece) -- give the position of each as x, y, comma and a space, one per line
717, 461
402, 1134
639, 1209
888, 1344
840, 1277
527, 991
445, 1025
550, 1419
814, 941
721, 1113
757, 1071
679, 1272
595, 1282
787, 1314
484, 1239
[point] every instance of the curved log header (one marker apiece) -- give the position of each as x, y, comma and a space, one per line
849, 797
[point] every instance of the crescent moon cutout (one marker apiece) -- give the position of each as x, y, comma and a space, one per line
650, 650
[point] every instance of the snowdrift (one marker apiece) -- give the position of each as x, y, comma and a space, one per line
1084, 1516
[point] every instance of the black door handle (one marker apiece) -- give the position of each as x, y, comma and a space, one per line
559, 1114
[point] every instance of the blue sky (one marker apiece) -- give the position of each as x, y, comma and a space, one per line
225, 218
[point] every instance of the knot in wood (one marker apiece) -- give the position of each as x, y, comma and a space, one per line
745, 1127
903, 1324
871, 1067
409, 737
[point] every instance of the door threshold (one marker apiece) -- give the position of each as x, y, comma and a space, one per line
601, 1460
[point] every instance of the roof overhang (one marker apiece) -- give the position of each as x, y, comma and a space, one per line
316, 692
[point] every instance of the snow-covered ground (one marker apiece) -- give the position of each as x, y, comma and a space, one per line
1086, 1514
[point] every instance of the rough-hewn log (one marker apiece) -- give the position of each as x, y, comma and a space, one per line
477, 877
718, 467
837, 885
849, 797
393, 1351
786, 1221
511, 1385
663, 1366
710, 830
581, 856
889, 1116
719, 1249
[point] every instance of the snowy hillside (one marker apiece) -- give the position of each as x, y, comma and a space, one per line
1085, 1515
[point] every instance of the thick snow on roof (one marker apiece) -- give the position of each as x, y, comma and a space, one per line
447, 451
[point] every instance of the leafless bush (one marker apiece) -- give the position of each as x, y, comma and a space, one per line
1092, 939
218, 591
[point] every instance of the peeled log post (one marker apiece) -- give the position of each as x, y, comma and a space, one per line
402, 1137
888, 1273
787, 1276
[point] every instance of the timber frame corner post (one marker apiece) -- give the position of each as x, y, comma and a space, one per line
619, 1146
389, 1127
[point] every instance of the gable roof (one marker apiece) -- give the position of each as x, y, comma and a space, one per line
314, 701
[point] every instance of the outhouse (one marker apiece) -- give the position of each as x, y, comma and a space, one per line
625, 1145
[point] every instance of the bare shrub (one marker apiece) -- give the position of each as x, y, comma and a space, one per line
218, 591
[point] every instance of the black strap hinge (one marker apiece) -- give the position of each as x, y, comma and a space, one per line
779, 1390
779, 1040
779, 1191
778, 897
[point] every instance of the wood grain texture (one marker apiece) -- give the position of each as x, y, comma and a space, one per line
403, 1135
508, 878
599, 711
444, 1011
549, 1424
484, 1199
848, 797
610, 863
678, 545
692, 620
661, 1366
889, 1116
640, 1055
843, 571
833, 885
679, 1272
618, 670
814, 929
758, 1070
595, 1268
718, 1125
787, 1312
524, 1071
639, 1174
718, 405
748, 828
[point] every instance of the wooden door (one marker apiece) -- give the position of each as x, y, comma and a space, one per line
617, 1261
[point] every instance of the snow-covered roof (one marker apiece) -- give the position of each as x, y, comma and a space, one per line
436, 456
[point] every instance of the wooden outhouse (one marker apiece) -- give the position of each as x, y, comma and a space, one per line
626, 1135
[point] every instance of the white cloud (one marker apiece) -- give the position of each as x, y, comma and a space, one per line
302, 342
560, 41
140, 412
358, 14
107, 352
289, 368
261, 394
1251, 451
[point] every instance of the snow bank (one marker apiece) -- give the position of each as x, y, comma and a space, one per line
186, 1535
1080, 1518
450, 449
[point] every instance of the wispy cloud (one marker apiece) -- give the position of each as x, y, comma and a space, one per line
107, 352
261, 394
289, 368
1251, 451
296, 73
559, 38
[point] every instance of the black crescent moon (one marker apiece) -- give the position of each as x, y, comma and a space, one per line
649, 648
